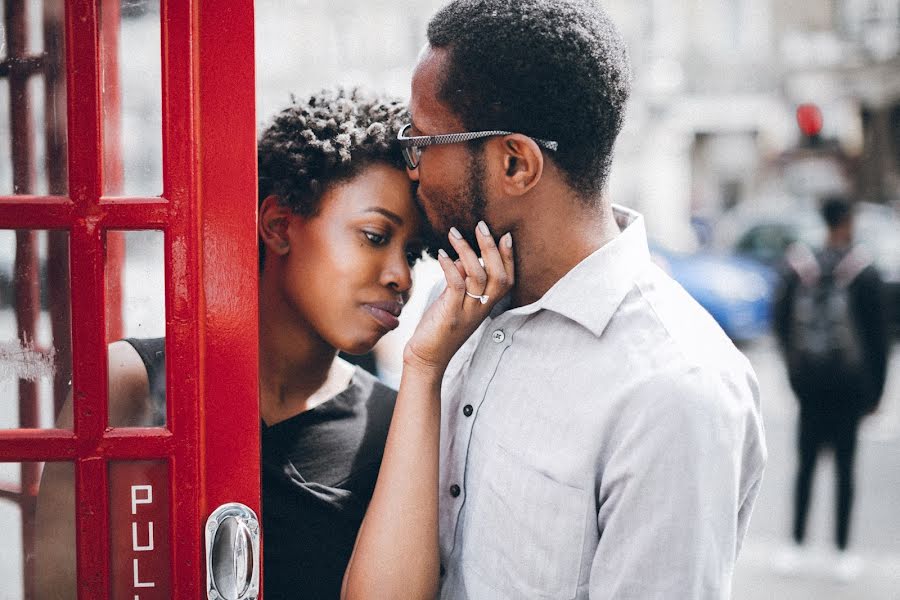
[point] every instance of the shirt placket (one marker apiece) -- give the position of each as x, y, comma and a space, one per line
495, 339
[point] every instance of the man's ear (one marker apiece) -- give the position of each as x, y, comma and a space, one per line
523, 164
274, 219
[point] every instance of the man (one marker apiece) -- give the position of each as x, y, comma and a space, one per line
831, 323
601, 436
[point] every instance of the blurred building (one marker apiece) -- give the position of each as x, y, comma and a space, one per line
716, 86
715, 89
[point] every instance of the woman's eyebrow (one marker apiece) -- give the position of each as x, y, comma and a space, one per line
385, 212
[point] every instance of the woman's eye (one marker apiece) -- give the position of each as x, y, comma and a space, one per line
375, 238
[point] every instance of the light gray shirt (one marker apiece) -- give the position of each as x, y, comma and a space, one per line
603, 442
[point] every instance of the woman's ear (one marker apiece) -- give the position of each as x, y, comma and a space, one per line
274, 219
523, 164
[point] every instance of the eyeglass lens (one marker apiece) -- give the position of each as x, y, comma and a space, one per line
411, 156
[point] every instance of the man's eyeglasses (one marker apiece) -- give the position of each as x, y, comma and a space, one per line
412, 145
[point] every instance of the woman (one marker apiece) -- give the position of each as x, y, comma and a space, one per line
339, 232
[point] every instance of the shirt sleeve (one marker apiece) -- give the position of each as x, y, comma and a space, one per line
677, 491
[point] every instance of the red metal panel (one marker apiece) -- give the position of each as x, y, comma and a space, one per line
227, 168
184, 301
88, 322
49, 212
228, 202
35, 444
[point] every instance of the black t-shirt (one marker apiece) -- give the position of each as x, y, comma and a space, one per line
318, 473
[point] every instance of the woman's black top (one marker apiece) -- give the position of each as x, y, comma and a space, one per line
318, 473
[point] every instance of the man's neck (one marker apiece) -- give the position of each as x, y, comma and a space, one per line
548, 249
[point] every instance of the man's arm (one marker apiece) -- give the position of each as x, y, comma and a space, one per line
678, 488
55, 565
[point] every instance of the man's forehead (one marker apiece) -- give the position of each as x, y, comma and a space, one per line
427, 112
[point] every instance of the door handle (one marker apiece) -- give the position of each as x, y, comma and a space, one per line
232, 553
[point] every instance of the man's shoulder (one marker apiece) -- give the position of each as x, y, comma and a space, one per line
659, 310
672, 341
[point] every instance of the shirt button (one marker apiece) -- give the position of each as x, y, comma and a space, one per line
454, 490
498, 336
467, 410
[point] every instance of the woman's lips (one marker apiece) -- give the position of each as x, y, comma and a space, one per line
385, 313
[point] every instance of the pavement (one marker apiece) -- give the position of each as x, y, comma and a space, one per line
875, 528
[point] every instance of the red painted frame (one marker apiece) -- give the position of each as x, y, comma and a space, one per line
208, 213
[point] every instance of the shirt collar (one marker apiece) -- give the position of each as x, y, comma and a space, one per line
591, 292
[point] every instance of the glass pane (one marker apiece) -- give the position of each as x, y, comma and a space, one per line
132, 97
135, 301
6, 182
37, 559
32, 101
139, 530
53, 115
35, 329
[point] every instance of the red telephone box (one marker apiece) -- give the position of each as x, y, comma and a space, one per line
147, 500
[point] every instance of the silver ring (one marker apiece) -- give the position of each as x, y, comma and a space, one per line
482, 298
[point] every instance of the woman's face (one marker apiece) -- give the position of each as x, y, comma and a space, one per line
348, 273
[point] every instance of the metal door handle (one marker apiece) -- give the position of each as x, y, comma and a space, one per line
232, 553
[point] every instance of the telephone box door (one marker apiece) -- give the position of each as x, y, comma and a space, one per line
128, 210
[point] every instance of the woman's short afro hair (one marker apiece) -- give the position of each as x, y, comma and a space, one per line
551, 69
329, 137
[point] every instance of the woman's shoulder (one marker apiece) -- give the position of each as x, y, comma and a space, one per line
371, 392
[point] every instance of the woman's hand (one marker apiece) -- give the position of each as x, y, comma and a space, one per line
472, 291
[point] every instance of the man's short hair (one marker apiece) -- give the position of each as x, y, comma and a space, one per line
551, 69
836, 210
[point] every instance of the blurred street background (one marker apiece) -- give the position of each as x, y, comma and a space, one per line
744, 114
714, 154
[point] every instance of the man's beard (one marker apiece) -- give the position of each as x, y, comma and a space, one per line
462, 208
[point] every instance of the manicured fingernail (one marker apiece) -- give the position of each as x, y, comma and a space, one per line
455, 233
507, 239
484, 228
442, 253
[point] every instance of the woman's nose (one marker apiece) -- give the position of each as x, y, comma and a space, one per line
397, 273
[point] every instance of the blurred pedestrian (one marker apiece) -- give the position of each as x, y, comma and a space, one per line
831, 324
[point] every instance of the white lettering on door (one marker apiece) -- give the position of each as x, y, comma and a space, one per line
135, 545
137, 580
135, 499
141, 494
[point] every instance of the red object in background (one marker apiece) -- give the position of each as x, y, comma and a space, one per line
809, 118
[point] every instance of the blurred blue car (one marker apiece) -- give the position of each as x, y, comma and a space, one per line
736, 291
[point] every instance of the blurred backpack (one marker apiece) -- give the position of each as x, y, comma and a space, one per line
824, 332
